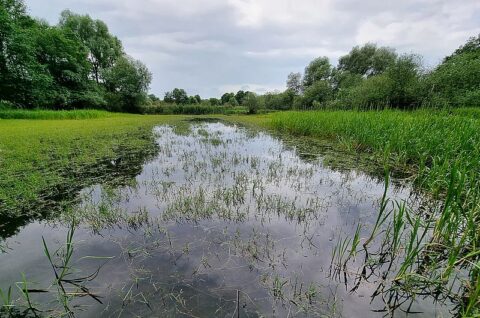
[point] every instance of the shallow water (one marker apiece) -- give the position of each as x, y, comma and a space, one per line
221, 209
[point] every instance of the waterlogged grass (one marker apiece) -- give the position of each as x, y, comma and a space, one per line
43, 160
54, 114
409, 253
441, 153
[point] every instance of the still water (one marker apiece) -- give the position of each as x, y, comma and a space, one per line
221, 212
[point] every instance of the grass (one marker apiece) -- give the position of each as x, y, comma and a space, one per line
41, 160
53, 114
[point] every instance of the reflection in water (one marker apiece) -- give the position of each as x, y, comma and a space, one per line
222, 212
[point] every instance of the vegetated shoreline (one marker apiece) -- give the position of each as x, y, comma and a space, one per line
442, 151
439, 149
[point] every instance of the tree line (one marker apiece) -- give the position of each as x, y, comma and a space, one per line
77, 63
368, 77
372, 77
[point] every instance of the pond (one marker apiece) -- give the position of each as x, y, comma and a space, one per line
225, 221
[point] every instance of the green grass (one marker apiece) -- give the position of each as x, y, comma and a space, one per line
40, 159
53, 114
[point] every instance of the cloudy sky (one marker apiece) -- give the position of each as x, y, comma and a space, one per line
212, 46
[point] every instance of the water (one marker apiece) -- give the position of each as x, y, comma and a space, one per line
220, 209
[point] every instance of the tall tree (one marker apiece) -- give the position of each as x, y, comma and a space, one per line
367, 60
226, 98
104, 48
294, 83
180, 96
127, 83
318, 69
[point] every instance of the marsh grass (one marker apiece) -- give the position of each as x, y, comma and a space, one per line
54, 114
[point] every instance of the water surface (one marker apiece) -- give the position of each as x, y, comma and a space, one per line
221, 210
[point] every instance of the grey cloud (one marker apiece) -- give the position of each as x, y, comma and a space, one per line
212, 46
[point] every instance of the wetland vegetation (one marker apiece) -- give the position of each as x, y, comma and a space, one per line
353, 193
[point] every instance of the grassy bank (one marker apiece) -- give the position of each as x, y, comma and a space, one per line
53, 114
41, 159
441, 151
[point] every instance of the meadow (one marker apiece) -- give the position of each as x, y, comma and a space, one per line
48, 159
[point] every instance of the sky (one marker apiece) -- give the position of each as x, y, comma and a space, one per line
209, 47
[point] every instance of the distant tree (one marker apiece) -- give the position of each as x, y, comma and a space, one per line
294, 83
104, 48
168, 97
250, 100
226, 98
319, 69
239, 96
66, 61
404, 75
198, 98
233, 101
192, 100
179, 96
214, 101
127, 83
320, 92
153, 98
368, 60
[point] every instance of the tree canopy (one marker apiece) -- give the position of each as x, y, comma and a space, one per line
75, 64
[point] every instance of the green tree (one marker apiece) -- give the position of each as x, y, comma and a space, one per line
319, 69
23, 80
65, 60
104, 48
233, 101
404, 75
179, 96
320, 92
226, 98
240, 95
214, 101
368, 60
294, 83
127, 83
250, 101
168, 98
456, 81
192, 100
